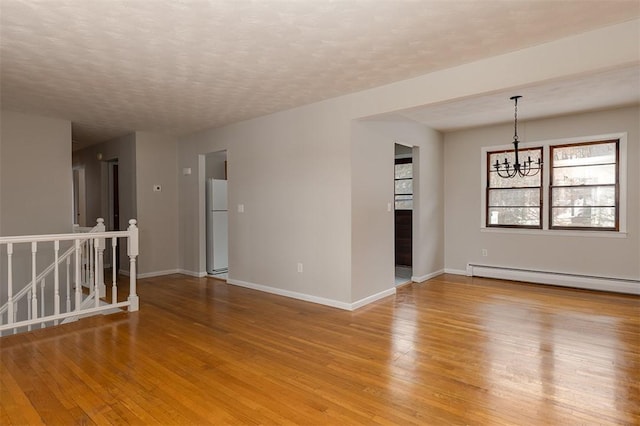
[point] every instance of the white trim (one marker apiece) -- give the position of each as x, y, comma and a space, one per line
362, 302
123, 272
622, 182
424, 278
158, 273
556, 232
291, 294
191, 273
314, 299
455, 271
617, 285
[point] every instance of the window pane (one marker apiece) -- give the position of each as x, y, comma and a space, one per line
404, 186
524, 216
404, 171
587, 175
590, 196
514, 197
595, 217
580, 155
496, 181
404, 202
404, 205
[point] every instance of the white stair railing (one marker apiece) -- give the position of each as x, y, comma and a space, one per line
42, 276
84, 262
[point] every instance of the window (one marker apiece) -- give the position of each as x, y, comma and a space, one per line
584, 186
581, 191
513, 202
403, 184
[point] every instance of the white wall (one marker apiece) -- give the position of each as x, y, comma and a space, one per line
293, 170
372, 180
156, 164
35, 175
588, 254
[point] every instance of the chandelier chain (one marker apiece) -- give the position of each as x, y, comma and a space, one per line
515, 120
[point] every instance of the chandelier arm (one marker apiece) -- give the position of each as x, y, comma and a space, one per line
506, 172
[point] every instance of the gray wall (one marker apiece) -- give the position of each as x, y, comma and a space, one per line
35, 190
157, 216
35, 175
124, 150
372, 180
288, 170
293, 170
97, 183
589, 254
144, 159
216, 165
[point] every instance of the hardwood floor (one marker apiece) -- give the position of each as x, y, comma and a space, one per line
453, 350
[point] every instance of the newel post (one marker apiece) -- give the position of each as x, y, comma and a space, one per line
99, 246
132, 252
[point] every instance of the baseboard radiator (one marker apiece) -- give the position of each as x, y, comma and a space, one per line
618, 285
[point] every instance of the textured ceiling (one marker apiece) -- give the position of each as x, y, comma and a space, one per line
114, 66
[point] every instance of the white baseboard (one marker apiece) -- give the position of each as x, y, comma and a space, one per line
617, 285
370, 299
423, 278
455, 271
123, 272
158, 273
192, 273
311, 298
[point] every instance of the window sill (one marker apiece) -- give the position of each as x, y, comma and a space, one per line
557, 233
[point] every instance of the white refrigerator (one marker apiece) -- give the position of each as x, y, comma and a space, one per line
217, 227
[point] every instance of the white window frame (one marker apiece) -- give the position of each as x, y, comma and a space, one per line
622, 201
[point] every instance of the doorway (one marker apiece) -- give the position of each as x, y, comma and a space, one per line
113, 216
216, 214
79, 197
403, 213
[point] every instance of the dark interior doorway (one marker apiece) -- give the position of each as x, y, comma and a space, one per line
403, 212
114, 210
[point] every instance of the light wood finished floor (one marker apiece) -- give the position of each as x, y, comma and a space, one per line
453, 350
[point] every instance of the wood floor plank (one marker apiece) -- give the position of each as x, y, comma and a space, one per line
452, 350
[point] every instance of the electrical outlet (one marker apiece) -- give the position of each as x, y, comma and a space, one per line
485, 252
300, 267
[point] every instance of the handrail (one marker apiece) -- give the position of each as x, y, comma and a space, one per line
62, 237
25, 290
